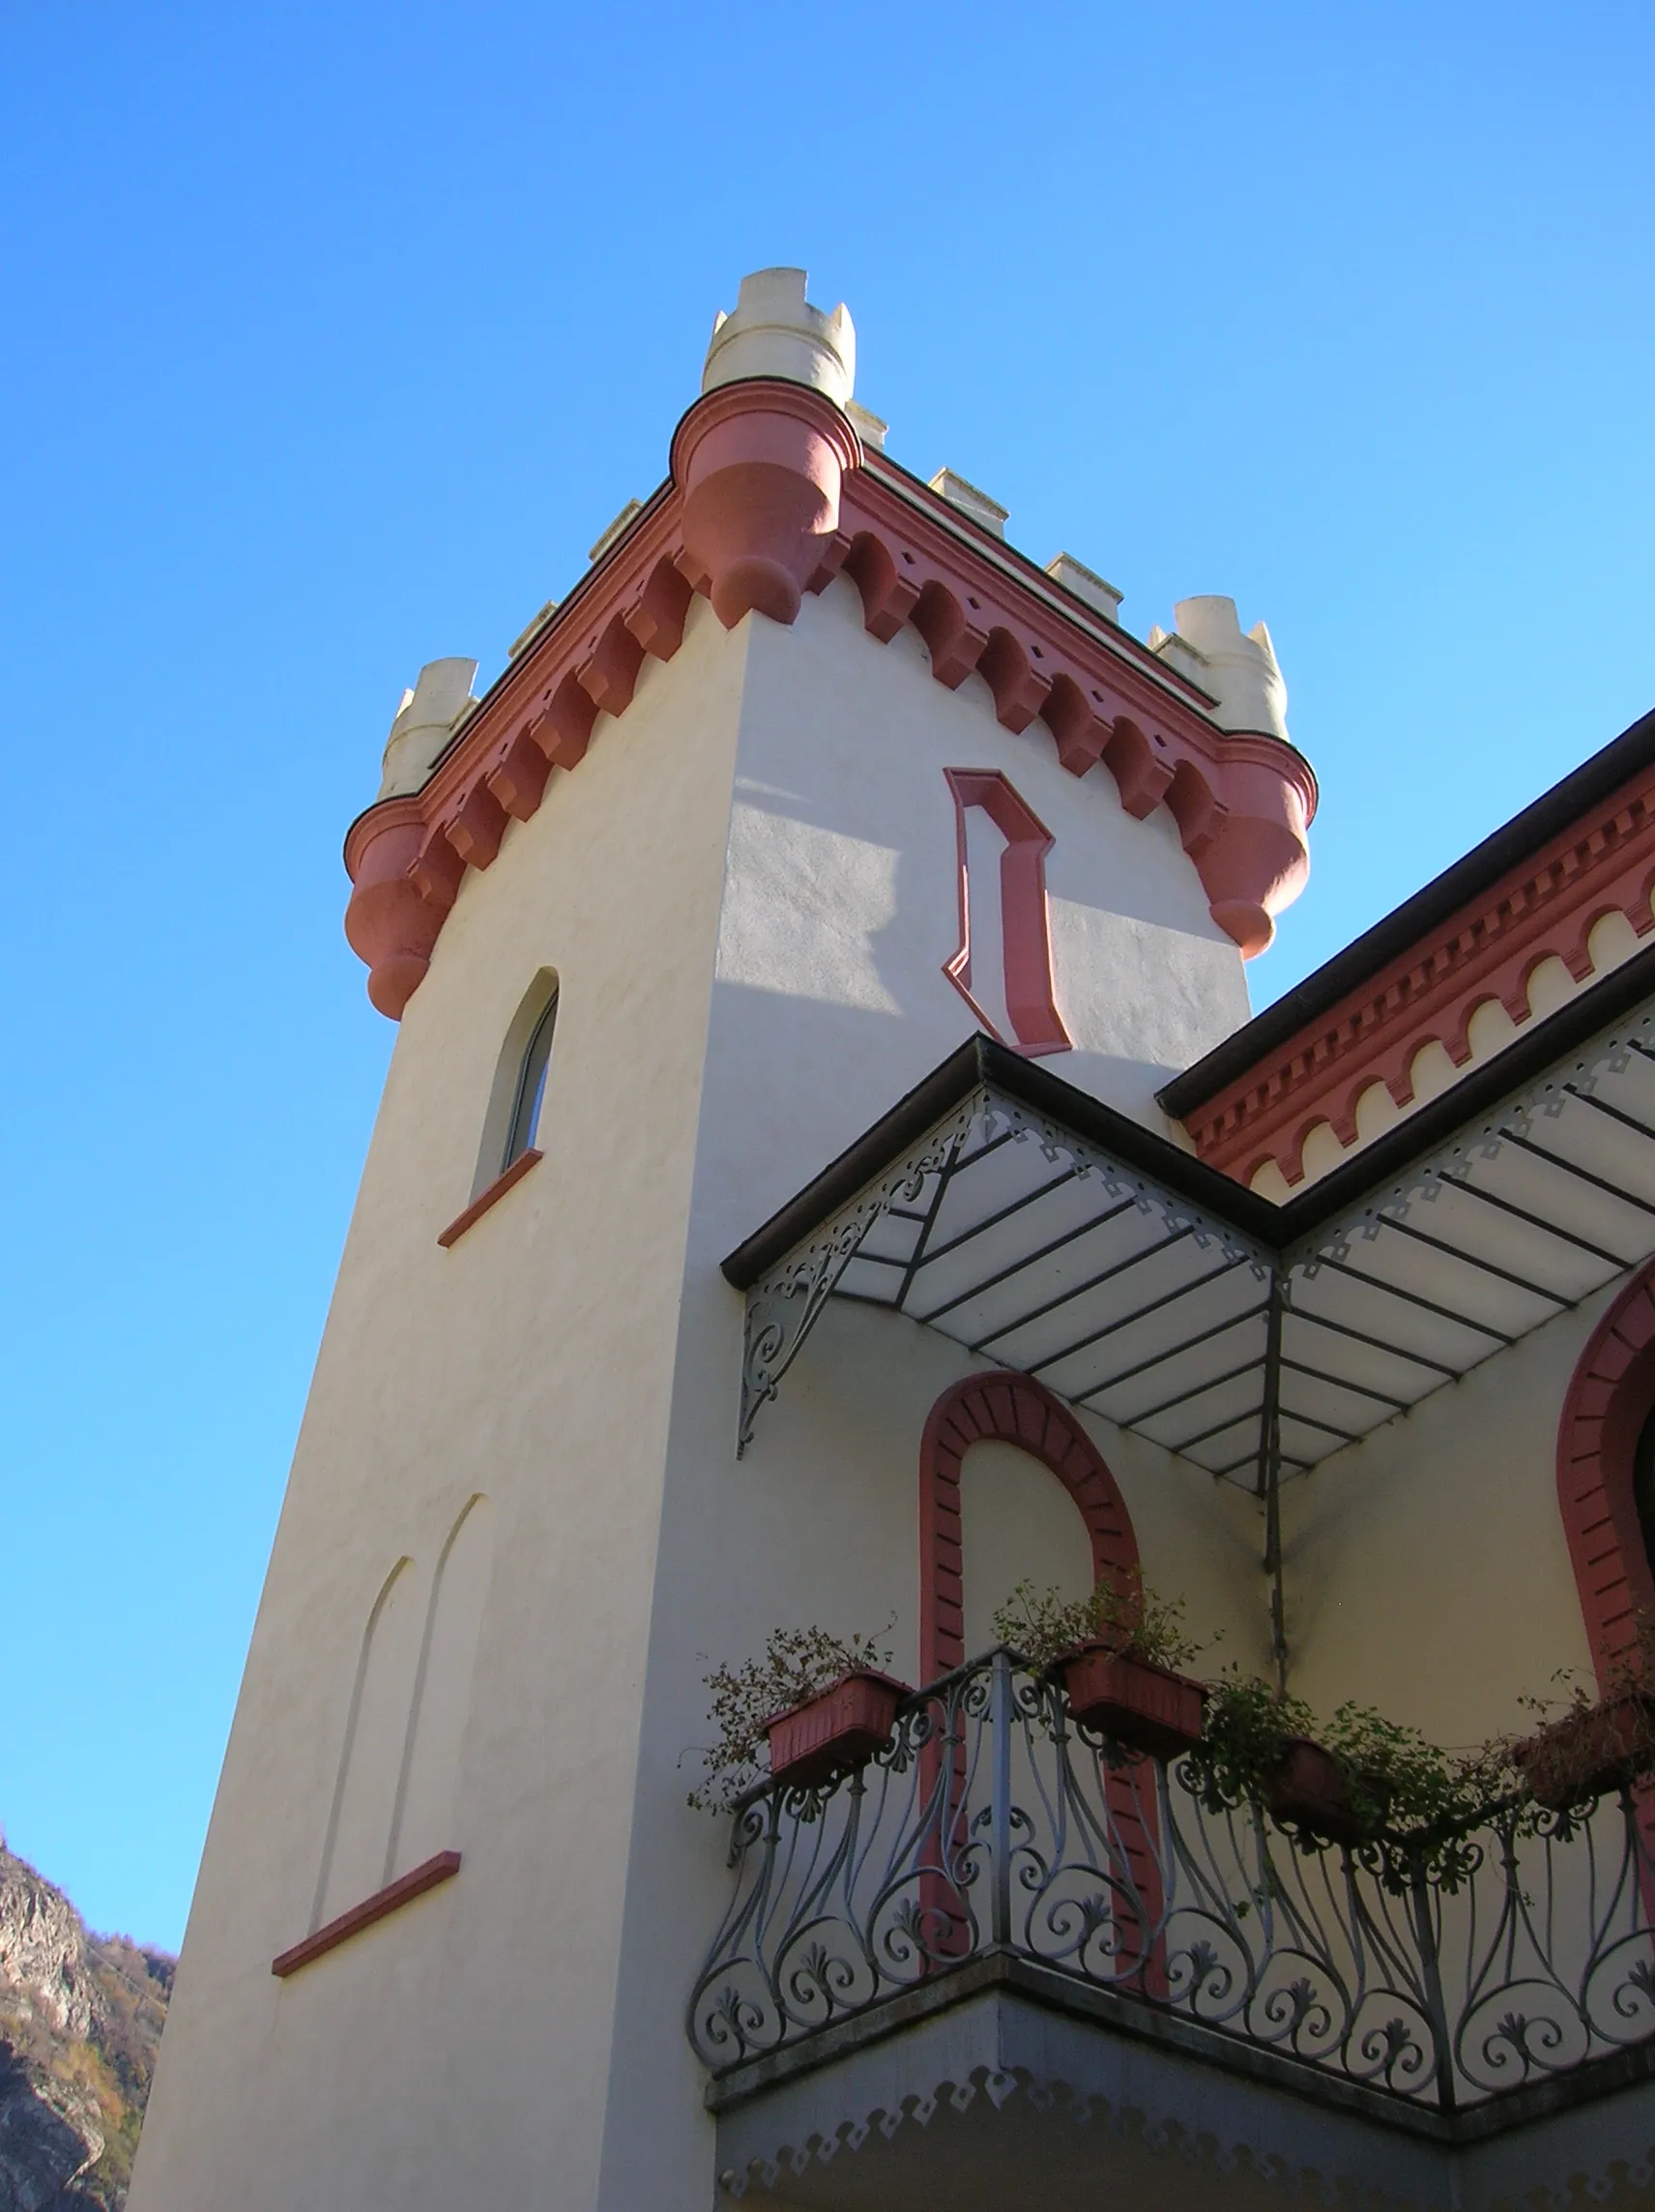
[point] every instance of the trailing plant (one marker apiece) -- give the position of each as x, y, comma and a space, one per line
1045, 1626
1399, 1780
798, 1665
1595, 1730
1412, 1786
1631, 1673
1247, 1729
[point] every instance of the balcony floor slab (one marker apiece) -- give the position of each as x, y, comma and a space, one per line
1000, 2089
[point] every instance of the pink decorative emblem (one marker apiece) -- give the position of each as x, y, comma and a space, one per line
1024, 938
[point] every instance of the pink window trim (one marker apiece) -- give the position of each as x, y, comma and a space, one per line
1024, 931
1609, 1399
497, 1189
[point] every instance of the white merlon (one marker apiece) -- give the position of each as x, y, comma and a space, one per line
867, 426
775, 332
971, 501
622, 522
424, 722
1239, 672
1087, 585
532, 629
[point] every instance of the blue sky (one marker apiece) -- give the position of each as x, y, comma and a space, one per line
335, 335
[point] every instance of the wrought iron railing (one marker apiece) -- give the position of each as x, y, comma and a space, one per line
1444, 1972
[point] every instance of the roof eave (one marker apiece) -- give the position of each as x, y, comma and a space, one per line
1457, 887
981, 1063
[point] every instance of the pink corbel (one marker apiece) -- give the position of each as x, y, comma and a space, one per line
1019, 687
519, 778
761, 464
830, 561
888, 581
477, 826
954, 642
437, 872
1142, 775
1079, 733
609, 674
565, 730
1256, 857
388, 925
657, 615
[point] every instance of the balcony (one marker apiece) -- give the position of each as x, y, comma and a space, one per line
1008, 1962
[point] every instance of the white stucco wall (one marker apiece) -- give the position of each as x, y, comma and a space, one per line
456, 2053
1427, 1567
841, 906
1017, 1524
840, 909
749, 892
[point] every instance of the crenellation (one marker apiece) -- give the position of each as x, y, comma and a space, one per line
429, 714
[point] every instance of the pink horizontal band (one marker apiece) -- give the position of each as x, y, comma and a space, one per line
413, 1883
497, 1189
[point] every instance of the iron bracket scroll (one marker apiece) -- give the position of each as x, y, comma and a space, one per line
784, 1308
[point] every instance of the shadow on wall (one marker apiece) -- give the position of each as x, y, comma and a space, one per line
1102, 965
394, 1801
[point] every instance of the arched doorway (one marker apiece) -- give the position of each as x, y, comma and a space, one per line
1605, 1475
1012, 1409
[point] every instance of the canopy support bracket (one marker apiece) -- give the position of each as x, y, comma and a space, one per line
1269, 1473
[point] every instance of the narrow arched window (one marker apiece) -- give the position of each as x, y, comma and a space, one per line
517, 1094
531, 1089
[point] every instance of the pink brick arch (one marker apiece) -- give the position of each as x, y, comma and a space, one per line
1013, 1410
1609, 1397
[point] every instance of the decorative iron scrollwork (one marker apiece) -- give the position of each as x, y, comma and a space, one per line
1440, 1975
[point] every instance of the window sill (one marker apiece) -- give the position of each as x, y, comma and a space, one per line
497, 1189
405, 1887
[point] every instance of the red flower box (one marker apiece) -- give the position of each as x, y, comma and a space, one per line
839, 1728
1146, 1708
1311, 1788
1588, 1752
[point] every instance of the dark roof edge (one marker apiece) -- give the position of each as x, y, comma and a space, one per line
976, 1063
1475, 872
885, 1141
980, 1062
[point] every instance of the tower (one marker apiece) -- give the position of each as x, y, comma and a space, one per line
810, 779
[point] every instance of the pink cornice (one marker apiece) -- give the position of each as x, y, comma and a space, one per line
1545, 905
769, 499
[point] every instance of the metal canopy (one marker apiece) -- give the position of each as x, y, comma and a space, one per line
1047, 1233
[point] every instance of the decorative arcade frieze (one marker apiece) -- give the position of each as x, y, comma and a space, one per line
1545, 906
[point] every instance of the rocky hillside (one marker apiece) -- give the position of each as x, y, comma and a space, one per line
80, 2016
